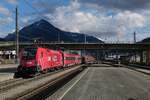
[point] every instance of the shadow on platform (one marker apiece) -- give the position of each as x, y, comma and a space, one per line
8, 70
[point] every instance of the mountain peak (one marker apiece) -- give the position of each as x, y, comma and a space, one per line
47, 32
41, 23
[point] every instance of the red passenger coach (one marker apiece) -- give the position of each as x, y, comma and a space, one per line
78, 59
71, 59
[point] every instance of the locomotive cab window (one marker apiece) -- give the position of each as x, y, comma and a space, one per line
29, 54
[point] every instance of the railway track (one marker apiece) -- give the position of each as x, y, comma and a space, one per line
9, 81
141, 69
45, 90
29, 93
6, 85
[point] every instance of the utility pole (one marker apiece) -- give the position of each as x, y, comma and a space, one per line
134, 36
17, 37
84, 44
85, 38
58, 37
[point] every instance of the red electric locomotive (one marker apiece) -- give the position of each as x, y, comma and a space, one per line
35, 60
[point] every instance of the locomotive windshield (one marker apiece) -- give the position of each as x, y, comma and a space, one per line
29, 54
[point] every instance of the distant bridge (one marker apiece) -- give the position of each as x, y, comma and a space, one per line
81, 46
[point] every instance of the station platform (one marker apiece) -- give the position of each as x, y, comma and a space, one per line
106, 83
7, 71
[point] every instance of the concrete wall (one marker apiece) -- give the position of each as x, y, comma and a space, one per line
146, 57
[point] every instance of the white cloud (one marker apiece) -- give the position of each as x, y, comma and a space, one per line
93, 20
12, 1
4, 21
123, 5
127, 20
4, 11
72, 18
25, 20
88, 18
130, 19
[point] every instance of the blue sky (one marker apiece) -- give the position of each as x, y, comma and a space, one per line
109, 20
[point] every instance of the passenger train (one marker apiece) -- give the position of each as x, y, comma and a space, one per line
41, 60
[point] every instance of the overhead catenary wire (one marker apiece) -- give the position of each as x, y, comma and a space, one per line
38, 12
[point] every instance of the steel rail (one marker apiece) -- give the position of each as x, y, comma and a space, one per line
4, 86
30, 93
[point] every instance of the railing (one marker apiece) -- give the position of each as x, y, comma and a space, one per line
29, 43
119, 42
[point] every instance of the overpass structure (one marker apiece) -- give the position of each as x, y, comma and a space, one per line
81, 46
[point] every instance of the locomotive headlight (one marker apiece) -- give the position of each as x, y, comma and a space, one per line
29, 62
